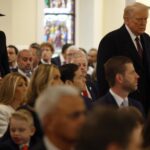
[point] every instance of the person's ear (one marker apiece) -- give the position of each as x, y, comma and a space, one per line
33, 129
119, 78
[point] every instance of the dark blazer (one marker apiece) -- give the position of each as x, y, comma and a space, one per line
92, 90
119, 43
56, 61
4, 66
88, 102
39, 146
109, 100
10, 145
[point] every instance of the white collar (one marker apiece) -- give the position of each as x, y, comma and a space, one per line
49, 145
132, 35
119, 100
44, 62
62, 60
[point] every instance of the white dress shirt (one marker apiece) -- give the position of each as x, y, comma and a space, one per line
119, 100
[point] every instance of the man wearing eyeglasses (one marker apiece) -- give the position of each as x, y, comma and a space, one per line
62, 113
130, 40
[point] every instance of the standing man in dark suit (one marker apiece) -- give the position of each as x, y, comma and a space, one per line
122, 79
122, 42
4, 66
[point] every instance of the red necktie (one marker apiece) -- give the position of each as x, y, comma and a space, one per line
25, 147
139, 47
85, 93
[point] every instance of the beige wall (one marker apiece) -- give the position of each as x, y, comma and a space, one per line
6, 21
113, 15
24, 22
94, 18
20, 22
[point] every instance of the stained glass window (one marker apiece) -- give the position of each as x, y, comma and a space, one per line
59, 22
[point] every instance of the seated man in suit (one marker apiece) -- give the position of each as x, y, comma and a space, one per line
61, 59
80, 58
36, 54
122, 79
12, 52
25, 63
62, 117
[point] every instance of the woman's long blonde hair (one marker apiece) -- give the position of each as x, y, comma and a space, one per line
39, 81
8, 87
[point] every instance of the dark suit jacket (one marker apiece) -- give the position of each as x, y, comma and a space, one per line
4, 66
39, 146
10, 145
92, 90
56, 61
109, 100
119, 43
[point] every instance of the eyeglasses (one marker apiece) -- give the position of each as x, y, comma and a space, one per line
77, 114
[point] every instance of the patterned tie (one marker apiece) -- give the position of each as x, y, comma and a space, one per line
124, 103
139, 47
25, 147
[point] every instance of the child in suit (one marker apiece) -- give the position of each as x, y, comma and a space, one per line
21, 130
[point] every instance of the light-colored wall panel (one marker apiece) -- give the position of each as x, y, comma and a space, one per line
24, 22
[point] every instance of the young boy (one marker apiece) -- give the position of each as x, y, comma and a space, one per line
21, 131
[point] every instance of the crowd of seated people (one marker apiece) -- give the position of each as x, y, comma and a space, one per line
52, 107
53, 103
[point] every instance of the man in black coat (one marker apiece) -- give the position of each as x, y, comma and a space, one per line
122, 42
4, 66
122, 79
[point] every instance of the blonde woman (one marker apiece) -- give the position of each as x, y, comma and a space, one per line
12, 94
43, 76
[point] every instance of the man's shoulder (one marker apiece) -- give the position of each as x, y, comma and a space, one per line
39, 146
107, 98
115, 33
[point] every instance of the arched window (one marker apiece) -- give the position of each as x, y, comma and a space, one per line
59, 22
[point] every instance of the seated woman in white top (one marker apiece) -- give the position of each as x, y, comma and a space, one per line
13, 89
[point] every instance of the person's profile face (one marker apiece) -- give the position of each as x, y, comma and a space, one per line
137, 22
20, 91
130, 78
55, 77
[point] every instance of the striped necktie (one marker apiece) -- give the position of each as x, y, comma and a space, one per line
139, 47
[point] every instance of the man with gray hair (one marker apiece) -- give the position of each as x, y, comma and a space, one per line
131, 41
61, 111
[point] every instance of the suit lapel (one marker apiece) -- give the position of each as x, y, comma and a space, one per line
111, 99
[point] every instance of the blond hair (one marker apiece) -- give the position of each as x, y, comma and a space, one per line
39, 81
8, 87
24, 115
